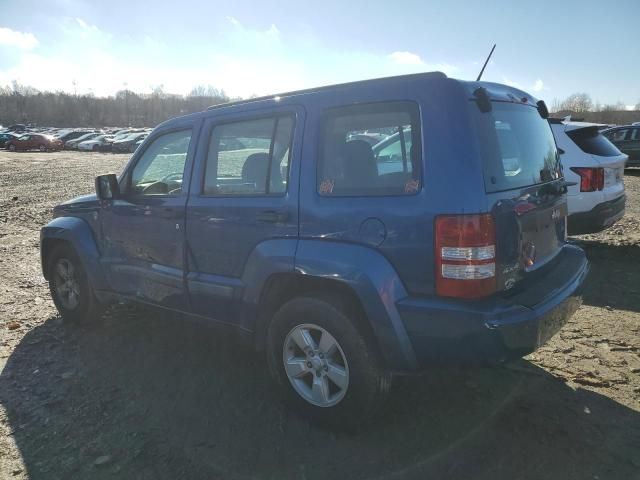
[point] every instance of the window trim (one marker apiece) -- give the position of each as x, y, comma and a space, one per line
128, 175
276, 116
416, 134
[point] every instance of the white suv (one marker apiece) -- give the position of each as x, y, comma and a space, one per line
597, 199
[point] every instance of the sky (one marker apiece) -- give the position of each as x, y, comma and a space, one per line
548, 48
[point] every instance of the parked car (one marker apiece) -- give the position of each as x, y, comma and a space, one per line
595, 167
128, 143
34, 141
369, 137
343, 273
17, 128
101, 143
73, 143
5, 137
627, 139
67, 135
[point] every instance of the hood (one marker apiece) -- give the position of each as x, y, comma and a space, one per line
82, 203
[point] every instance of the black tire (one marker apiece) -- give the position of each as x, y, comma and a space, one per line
87, 307
96, 148
42, 148
368, 381
12, 147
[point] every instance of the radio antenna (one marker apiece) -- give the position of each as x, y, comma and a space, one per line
485, 63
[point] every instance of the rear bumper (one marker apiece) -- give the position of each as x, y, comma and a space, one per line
445, 331
602, 216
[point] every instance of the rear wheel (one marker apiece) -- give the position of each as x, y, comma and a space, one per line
96, 148
327, 369
12, 147
42, 148
69, 286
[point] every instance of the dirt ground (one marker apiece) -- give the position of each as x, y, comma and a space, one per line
142, 395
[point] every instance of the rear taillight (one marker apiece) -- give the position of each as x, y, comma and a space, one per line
591, 179
465, 256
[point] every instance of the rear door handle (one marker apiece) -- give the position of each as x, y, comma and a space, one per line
272, 216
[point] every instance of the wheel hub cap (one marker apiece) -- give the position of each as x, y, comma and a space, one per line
67, 287
315, 365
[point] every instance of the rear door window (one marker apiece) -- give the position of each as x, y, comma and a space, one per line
350, 165
618, 135
249, 157
518, 147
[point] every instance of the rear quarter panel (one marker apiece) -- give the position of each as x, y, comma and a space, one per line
452, 181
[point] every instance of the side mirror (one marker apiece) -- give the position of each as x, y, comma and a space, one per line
107, 187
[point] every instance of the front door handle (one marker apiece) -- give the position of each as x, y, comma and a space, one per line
272, 216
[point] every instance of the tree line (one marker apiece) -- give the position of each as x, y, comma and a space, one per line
581, 106
24, 104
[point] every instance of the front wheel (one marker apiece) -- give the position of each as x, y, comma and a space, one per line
327, 368
12, 147
69, 286
42, 148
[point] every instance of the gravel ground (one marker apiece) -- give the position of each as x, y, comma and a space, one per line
142, 395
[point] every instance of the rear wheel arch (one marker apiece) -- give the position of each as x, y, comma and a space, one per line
283, 287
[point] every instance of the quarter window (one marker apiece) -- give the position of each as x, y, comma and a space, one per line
249, 157
160, 169
619, 135
353, 165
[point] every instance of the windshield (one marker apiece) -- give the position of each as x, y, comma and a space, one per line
518, 147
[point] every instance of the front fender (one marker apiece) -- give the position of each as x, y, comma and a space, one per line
79, 234
374, 281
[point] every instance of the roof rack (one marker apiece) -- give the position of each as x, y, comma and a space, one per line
326, 87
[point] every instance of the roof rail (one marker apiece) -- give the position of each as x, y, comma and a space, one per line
327, 87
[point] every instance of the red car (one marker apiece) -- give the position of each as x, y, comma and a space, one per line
31, 141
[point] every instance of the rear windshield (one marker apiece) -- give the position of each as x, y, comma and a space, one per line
591, 141
517, 145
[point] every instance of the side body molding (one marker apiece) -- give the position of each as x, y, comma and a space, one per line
78, 233
376, 284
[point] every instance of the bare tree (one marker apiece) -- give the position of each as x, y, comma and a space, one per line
577, 102
24, 104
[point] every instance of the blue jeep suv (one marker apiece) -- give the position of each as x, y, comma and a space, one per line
351, 232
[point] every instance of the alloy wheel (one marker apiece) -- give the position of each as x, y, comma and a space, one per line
66, 284
316, 365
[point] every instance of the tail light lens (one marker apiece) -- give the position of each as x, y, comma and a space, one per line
591, 179
465, 256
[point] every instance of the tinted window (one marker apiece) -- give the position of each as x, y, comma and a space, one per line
517, 146
635, 134
617, 135
250, 157
393, 153
160, 168
591, 141
349, 165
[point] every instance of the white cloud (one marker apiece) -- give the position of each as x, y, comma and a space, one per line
511, 83
241, 60
538, 86
233, 21
22, 40
406, 58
